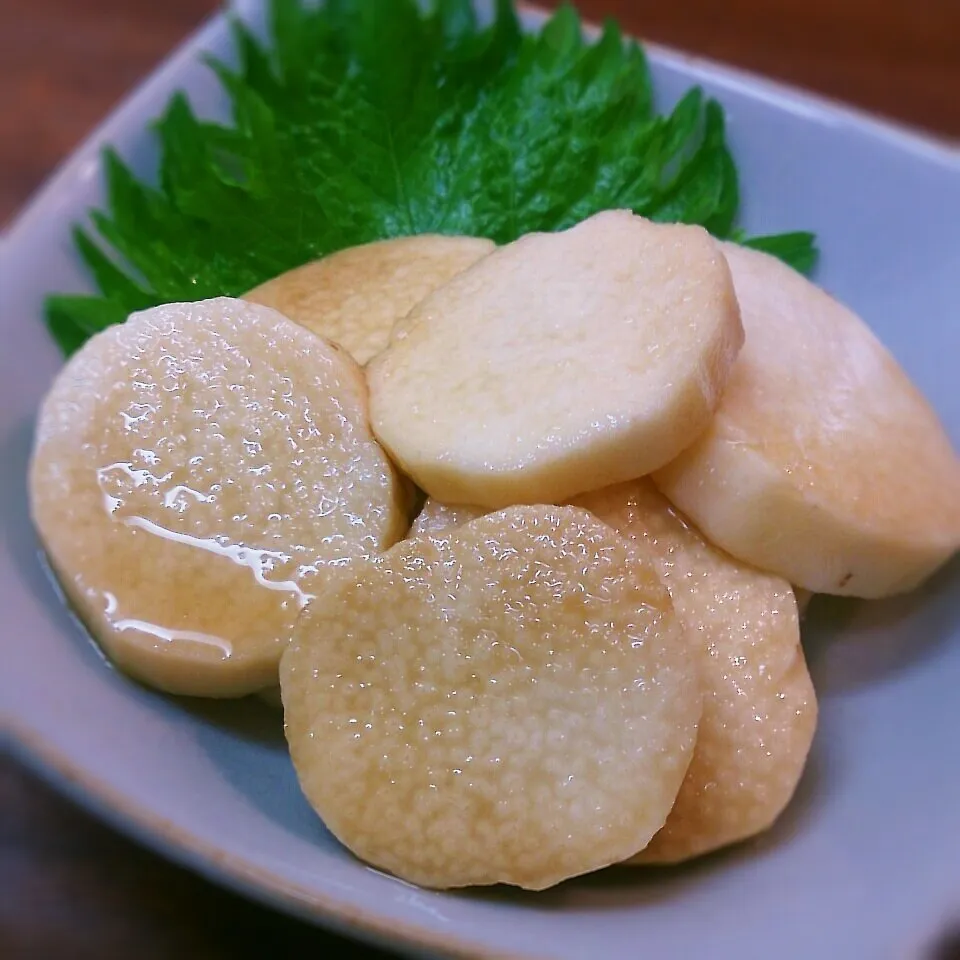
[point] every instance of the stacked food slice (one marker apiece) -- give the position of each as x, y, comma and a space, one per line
632, 442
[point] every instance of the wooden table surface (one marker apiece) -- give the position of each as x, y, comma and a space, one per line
71, 889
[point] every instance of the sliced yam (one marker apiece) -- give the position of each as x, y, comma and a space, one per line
437, 517
824, 463
194, 471
759, 707
560, 363
513, 702
354, 296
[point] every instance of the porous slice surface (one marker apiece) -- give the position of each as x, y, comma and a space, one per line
437, 518
355, 296
759, 705
513, 702
195, 470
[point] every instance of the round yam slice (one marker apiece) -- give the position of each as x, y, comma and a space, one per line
824, 463
354, 296
195, 470
759, 706
560, 363
514, 702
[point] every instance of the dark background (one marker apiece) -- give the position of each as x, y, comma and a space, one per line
71, 889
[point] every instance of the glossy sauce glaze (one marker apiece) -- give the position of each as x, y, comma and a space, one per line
194, 471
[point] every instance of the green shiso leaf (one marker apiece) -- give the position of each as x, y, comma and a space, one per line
363, 120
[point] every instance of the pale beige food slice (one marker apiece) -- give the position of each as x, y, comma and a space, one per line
194, 471
513, 702
560, 363
759, 708
437, 517
824, 463
354, 296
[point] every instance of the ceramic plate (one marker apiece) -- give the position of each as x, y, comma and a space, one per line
866, 861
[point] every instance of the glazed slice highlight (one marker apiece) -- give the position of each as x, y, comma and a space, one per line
195, 470
512, 702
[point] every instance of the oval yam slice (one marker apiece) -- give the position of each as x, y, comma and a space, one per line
354, 296
759, 706
560, 363
513, 702
194, 470
824, 463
